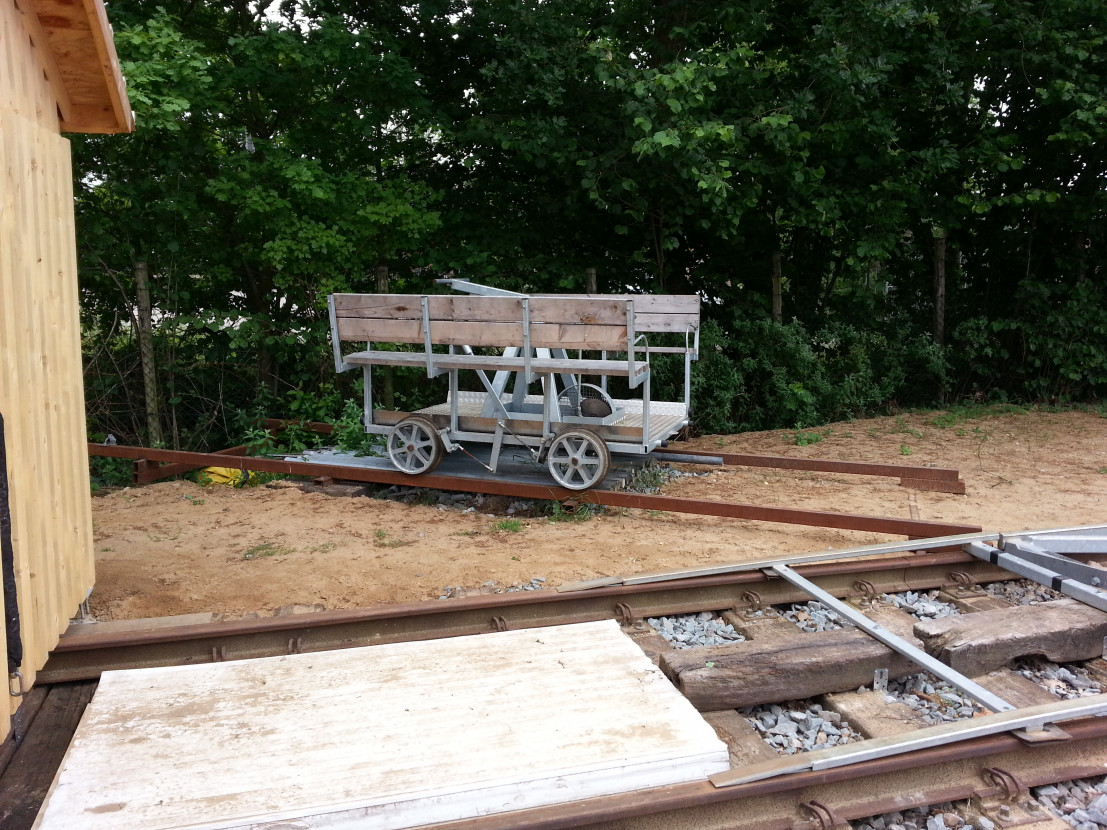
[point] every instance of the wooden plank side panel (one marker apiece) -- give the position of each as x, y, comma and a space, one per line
45, 56
483, 335
495, 363
651, 313
8, 368
41, 384
439, 307
75, 522
25, 90
650, 322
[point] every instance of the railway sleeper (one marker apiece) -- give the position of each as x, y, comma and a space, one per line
777, 662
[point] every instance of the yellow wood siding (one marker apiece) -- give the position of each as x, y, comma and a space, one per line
41, 391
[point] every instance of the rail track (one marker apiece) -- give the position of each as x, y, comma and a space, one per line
989, 773
151, 464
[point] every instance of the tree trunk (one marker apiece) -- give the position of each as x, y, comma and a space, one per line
146, 352
592, 288
939, 286
778, 282
388, 393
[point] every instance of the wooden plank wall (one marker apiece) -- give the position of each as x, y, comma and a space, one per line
41, 392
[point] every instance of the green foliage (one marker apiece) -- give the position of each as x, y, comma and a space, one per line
556, 512
350, 436
1055, 349
109, 472
508, 526
265, 550
802, 438
677, 147
974, 412
764, 375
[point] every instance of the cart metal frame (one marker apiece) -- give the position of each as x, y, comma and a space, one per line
511, 341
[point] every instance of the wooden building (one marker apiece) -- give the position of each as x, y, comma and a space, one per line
58, 73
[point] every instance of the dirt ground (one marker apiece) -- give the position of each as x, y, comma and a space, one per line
176, 547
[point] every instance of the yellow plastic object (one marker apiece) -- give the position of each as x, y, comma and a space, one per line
227, 476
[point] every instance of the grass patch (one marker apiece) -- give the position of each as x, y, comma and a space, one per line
803, 437
508, 526
266, 549
974, 411
902, 427
382, 540
581, 513
648, 478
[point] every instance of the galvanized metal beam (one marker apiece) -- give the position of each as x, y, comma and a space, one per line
1010, 559
1030, 718
858, 552
898, 644
865, 468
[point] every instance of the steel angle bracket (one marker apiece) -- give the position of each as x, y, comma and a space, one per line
1041, 557
1033, 718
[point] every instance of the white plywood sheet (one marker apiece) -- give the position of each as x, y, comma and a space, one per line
388, 736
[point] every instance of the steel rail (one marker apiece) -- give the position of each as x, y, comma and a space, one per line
929, 774
86, 650
912, 528
954, 772
857, 552
782, 462
785, 462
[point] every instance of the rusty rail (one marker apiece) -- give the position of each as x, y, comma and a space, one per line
86, 650
911, 528
995, 771
918, 478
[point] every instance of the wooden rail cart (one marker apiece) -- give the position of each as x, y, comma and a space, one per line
533, 394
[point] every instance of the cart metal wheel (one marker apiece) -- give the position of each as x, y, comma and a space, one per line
578, 459
414, 446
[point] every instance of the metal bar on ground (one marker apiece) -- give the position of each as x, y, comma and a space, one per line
938, 543
1030, 718
898, 644
1060, 564
152, 474
85, 650
865, 468
1011, 561
914, 528
1066, 540
681, 455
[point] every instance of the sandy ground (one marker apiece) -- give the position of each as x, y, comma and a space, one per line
176, 547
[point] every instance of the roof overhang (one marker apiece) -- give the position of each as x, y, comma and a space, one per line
78, 55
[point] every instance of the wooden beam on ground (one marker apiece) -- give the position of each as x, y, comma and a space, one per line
748, 673
28, 775
974, 644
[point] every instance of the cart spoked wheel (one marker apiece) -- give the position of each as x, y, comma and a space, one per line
414, 446
578, 459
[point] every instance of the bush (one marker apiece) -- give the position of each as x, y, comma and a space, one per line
765, 375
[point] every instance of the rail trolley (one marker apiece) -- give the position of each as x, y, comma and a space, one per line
532, 392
